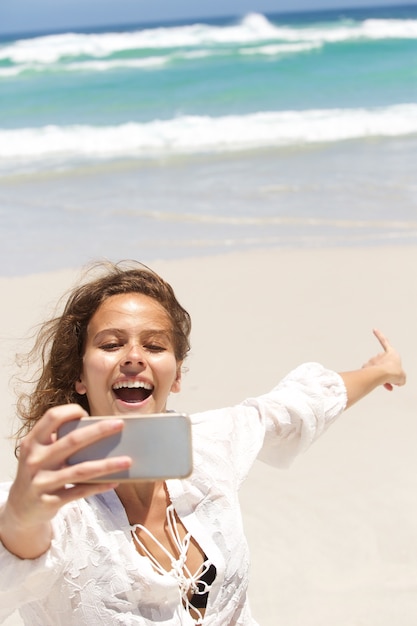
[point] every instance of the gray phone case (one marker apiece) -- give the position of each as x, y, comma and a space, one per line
159, 444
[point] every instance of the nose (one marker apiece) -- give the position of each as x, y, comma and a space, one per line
134, 355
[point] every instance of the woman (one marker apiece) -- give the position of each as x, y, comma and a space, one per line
167, 552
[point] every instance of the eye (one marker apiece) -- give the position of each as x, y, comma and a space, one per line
154, 347
110, 346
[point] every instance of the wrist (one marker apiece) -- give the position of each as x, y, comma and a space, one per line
23, 540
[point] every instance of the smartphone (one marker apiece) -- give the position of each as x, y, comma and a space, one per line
159, 445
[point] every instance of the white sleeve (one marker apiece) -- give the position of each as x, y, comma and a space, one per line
25, 580
273, 428
297, 411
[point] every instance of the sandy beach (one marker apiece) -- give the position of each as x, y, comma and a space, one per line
334, 537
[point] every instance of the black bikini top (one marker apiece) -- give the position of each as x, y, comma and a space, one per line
199, 598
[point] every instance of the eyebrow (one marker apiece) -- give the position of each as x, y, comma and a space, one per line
118, 332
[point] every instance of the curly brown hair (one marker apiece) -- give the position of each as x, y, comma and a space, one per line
60, 341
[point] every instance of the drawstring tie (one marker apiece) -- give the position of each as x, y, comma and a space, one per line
179, 571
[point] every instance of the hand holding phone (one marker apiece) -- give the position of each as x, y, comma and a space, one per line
158, 444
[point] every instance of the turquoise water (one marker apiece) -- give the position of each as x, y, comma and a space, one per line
312, 117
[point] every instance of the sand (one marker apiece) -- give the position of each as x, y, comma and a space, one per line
334, 537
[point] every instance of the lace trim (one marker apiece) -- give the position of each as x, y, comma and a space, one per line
179, 571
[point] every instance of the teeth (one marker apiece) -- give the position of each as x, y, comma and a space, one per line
132, 384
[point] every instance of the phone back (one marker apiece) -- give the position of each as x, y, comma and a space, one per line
159, 445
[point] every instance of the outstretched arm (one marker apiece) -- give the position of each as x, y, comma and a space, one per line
383, 369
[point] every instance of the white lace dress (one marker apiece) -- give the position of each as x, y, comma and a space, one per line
92, 575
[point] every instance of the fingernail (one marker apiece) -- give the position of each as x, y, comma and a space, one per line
125, 461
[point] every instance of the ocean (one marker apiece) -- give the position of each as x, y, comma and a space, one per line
178, 139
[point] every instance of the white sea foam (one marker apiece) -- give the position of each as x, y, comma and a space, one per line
350, 31
103, 66
7, 72
203, 134
51, 48
87, 66
154, 62
281, 48
253, 29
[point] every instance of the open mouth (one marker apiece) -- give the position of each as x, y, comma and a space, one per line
132, 391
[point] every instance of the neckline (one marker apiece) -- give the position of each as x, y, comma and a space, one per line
190, 585
181, 496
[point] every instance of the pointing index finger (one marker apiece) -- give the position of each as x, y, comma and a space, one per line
382, 339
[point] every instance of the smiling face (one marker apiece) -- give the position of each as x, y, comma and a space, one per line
129, 364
